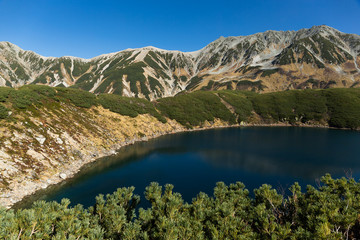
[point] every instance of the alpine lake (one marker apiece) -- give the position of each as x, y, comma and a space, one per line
195, 161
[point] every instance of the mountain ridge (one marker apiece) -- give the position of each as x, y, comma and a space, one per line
317, 57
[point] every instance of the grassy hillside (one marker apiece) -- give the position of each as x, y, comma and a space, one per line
333, 107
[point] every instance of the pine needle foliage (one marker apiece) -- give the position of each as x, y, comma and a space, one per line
330, 211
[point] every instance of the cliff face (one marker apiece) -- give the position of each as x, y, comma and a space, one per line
319, 57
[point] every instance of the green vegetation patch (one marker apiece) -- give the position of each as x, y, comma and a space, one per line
290, 106
309, 42
195, 81
128, 106
30, 94
241, 104
79, 98
274, 107
79, 68
328, 50
155, 86
85, 82
285, 57
183, 78
250, 85
19, 71
307, 57
250, 68
210, 86
5, 93
344, 107
4, 112
134, 74
195, 108
269, 72
213, 61
311, 105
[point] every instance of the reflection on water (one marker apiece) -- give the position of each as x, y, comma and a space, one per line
195, 161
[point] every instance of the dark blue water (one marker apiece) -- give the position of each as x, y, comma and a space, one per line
195, 161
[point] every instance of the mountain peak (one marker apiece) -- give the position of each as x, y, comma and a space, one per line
10, 45
152, 48
323, 27
318, 29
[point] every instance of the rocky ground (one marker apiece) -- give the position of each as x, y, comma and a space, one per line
41, 149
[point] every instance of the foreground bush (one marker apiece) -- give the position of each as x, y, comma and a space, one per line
329, 212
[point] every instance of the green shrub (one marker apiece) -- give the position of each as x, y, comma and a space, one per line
311, 105
194, 82
80, 68
85, 82
241, 104
286, 57
42, 78
78, 97
30, 94
330, 211
251, 85
24, 97
194, 108
128, 106
42, 90
5, 93
344, 107
269, 72
4, 112
304, 105
275, 106
155, 85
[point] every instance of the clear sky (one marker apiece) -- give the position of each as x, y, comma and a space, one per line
87, 28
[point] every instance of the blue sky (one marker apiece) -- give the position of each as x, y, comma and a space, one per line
87, 28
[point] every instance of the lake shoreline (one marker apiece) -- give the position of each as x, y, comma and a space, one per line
76, 166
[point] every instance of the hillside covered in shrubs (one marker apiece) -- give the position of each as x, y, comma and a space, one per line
337, 108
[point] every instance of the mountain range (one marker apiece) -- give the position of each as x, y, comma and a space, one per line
318, 57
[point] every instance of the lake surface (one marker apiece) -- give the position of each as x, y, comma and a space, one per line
195, 161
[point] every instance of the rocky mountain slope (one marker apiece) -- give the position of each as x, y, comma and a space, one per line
319, 57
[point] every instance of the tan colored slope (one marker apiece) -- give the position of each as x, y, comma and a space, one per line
44, 144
